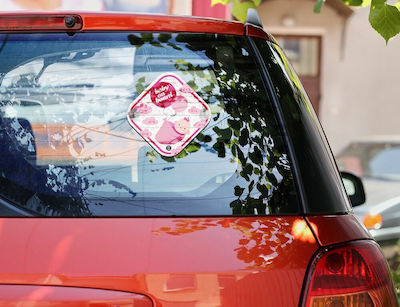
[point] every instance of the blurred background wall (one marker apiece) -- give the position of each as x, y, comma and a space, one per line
355, 87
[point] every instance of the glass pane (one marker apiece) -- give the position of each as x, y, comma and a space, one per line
67, 148
322, 183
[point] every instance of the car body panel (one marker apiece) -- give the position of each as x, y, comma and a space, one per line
258, 32
139, 22
161, 23
333, 229
98, 21
24, 295
172, 260
101, 21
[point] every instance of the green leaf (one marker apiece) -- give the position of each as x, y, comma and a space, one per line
238, 191
164, 37
272, 179
318, 6
147, 37
204, 138
244, 137
193, 147
263, 189
168, 159
181, 61
224, 2
241, 157
251, 186
219, 147
156, 44
385, 19
225, 134
135, 40
234, 150
139, 88
247, 171
236, 206
151, 155
256, 156
353, 2
239, 9
181, 155
208, 88
193, 85
174, 46
366, 3
235, 124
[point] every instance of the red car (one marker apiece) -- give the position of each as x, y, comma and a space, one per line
169, 161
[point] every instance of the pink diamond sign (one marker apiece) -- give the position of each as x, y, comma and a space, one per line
169, 114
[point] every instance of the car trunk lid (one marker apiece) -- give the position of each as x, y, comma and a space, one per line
189, 261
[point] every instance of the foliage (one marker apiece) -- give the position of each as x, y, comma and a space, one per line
239, 7
396, 279
394, 264
383, 17
260, 241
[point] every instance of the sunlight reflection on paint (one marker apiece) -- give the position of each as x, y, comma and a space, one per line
60, 253
39, 294
260, 241
302, 232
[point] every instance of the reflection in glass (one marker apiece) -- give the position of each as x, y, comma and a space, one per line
68, 149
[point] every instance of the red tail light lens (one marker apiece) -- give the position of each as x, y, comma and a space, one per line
354, 275
40, 22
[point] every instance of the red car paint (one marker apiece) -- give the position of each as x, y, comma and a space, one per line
172, 261
335, 229
119, 21
23, 295
244, 261
138, 22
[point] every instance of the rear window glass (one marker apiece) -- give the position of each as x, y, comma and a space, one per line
68, 147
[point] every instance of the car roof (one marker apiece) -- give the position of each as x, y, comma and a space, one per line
122, 21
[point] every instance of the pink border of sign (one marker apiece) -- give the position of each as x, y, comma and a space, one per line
144, 93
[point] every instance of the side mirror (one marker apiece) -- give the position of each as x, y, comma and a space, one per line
354, 188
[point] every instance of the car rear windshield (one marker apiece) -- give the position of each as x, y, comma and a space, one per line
137, 124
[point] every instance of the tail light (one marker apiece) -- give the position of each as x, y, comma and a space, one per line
354, 275
372, 221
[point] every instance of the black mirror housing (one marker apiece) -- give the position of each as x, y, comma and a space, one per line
354, 188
